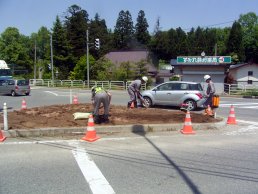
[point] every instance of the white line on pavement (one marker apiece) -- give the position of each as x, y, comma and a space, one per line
248, 122
52, 93
238, 104
92, 174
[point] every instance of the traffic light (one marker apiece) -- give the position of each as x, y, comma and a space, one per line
97, 44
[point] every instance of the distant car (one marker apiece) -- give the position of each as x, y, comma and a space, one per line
175, 93
15, 87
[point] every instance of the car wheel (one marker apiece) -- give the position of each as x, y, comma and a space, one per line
13, 93
27, 94
148, 102
191, 104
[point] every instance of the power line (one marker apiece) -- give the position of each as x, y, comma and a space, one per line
218, 24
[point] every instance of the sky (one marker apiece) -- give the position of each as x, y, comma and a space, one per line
28, 16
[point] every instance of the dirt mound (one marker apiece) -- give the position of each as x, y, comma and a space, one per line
62, 116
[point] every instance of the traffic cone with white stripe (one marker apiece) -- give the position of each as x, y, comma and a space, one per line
90, 134
2, 137
24, 105
75, 100
231, 116
187, 129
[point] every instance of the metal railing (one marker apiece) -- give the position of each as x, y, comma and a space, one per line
238, 89
111, 85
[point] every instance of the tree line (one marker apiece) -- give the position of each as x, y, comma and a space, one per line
69, 44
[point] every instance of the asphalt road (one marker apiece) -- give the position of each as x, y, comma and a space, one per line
223, 161
208, 162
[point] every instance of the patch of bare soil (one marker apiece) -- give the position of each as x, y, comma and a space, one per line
62, 116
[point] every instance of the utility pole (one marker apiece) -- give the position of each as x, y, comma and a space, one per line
87, 55
52, 65
35, 61
216, 48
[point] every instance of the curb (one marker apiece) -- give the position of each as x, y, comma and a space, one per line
138, 128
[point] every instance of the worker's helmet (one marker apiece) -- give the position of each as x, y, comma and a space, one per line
93, 88
206, 77
144, 78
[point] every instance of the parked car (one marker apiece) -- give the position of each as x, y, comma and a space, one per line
175, 93
14, 87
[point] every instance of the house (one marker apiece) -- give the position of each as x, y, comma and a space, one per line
244, 74
197, 67
157, 76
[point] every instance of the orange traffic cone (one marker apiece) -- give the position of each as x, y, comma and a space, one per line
75, 100
90, 134
2, 137
187, 129
24, 105
231, 116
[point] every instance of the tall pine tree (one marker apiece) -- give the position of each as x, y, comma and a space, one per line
141, 29
124, 31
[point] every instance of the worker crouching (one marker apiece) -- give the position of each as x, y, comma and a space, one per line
100, 97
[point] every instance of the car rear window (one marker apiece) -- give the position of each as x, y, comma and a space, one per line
195, 87
22, 82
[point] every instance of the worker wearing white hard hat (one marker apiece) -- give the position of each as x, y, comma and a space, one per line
209, 92
134, 91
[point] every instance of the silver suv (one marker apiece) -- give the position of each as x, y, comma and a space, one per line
14, 87
175, 93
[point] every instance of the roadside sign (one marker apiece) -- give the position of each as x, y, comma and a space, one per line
203, 60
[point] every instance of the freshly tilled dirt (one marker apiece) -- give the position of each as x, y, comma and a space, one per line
62, 116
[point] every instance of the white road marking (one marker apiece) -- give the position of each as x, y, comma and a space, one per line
238, 104
92, 174
248, 122
252, 128
52, 93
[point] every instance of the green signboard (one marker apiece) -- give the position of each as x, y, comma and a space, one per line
204, 60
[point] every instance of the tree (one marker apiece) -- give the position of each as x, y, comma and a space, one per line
14, 49
80, 70
98, 29
141, 69
141, 29
103, 69
234, 43
249, 23
61, 50
124, 31
76, 24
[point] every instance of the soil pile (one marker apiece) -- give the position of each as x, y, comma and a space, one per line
62, 116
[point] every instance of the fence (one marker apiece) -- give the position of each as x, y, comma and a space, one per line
238, 89
111, 85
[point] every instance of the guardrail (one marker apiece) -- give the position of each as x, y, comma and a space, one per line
111, 85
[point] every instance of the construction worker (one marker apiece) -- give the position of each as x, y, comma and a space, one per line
134, 92
100, 96
210, 91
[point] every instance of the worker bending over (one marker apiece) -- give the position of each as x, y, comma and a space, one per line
134, 91
100, 96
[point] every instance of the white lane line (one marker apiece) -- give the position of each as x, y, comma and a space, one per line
52, 93
248, 122
239, 104
92, 174
252, 128
37, 142
250, 107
